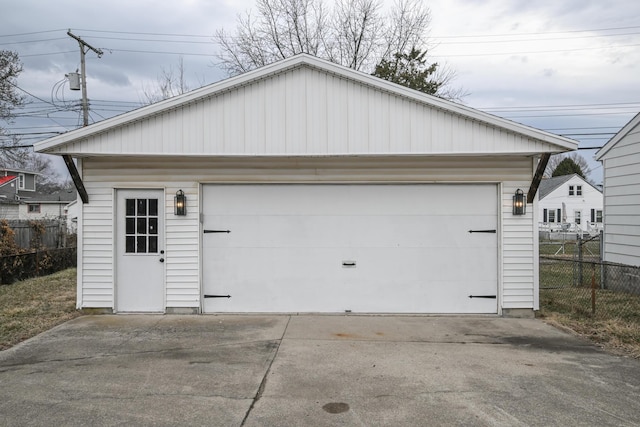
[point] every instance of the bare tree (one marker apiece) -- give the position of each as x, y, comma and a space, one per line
170, 83
15, 155
358, 29
354, 33
10, 68
282, 28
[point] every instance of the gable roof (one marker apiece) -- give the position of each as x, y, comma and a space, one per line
14, 171
549, 185
618, 136
76, 142
6, 179
62, 197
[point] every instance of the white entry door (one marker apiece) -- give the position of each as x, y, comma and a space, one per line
139, 248
361, 248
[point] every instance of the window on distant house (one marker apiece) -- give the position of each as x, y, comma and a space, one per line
34, 208
578, 190
21, 181
596, 215
571, 190
578, 217
552, 215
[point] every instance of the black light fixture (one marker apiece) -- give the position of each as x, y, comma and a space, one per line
519, 203
180, 203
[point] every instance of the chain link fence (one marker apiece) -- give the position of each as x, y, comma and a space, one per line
35, 263
575, 282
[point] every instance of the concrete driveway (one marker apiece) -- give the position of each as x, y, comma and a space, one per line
314, 371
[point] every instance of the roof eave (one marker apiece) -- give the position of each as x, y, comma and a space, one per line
617, 137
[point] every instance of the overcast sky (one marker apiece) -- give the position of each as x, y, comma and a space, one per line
568, 66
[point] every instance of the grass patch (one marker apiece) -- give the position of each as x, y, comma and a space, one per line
615, 325
569, 248
32, 306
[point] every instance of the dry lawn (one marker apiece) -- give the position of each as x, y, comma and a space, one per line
32, 306
617, 336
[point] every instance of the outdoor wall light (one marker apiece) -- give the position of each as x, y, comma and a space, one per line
180, 203
519, 203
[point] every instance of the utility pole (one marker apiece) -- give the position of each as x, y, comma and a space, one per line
85, 101
71, 166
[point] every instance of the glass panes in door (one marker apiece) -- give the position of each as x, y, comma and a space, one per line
141, 226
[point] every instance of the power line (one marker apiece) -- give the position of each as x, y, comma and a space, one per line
45, 54
540, 33
31, 33
585, 128
29, 93
537, 39
590, 134
556, 106
33, 41
535, 52
147, 34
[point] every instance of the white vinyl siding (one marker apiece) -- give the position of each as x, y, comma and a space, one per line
622, 200
101, 175
257, 118
181, 238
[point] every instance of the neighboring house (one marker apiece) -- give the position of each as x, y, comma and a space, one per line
310, 187
620, 159
569, 203
14, 185
20, 199
8, 201
26, 180
45, 206
71, 214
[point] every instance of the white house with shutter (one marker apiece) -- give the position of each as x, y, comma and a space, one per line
570, 203
620, 159
310, 187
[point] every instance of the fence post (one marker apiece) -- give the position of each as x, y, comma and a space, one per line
593, 291
579, 248
603, 267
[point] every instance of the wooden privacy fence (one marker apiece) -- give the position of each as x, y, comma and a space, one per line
55, 233
36, 263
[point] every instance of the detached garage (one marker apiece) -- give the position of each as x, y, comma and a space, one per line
305, 186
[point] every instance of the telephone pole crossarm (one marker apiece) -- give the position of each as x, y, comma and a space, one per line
85, 101
83, 44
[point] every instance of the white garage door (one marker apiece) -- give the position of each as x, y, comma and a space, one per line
359, 248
